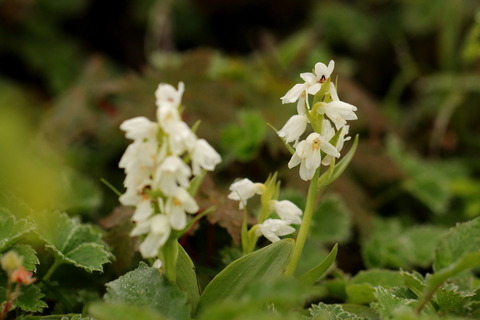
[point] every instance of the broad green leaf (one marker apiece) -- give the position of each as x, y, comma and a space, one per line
146, 287
11, 229
72, 242
187, 278
243, 141
29, 255
361, 288
332, 220
323, 181
460, 240
319, 271
428, 181
418, 245
106, 311
262, 265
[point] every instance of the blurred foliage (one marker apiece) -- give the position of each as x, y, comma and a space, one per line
71, 72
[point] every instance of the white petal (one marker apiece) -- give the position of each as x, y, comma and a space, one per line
143, 210
294, 128
293, 94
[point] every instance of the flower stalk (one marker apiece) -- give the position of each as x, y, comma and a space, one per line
305, 226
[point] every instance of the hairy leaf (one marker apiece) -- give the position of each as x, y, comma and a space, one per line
11, 229
72, 242
146, 287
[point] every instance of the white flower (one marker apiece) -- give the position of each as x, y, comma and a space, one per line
176, 207
203, 156
158, 230
167, 95
172, 172
294, 128
180, 138
139, 128
327, 160
338, 111
244, 189
287, 211
273, 228
143, 210
313, 82
307, 154
167, 117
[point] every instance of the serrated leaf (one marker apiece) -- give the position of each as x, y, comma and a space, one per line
72, 242
323, 311
387, 302
146, 287
262, 265
319, 271
11, 229
459, 241
30, 299
450, 300
105, 311
29, 255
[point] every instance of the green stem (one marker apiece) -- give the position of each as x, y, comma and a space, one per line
304, 228
52, 269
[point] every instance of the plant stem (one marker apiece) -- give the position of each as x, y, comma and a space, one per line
305, 227
52, 269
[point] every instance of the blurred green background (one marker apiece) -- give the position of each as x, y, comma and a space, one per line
72, 71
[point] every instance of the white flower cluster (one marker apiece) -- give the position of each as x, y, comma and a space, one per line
157, 176
327, 109
272, 229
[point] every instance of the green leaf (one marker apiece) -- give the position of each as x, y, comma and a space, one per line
11, 229
418, 245
332, 220
361, 288
459, 241
388, 302
72, 242
30, 299
434, 281
319, 271
187, 278
105, 311
69, 316
450, 300
146, 287
428, 181
327, 178
262, 265
243, 141
29, 255
323, 311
